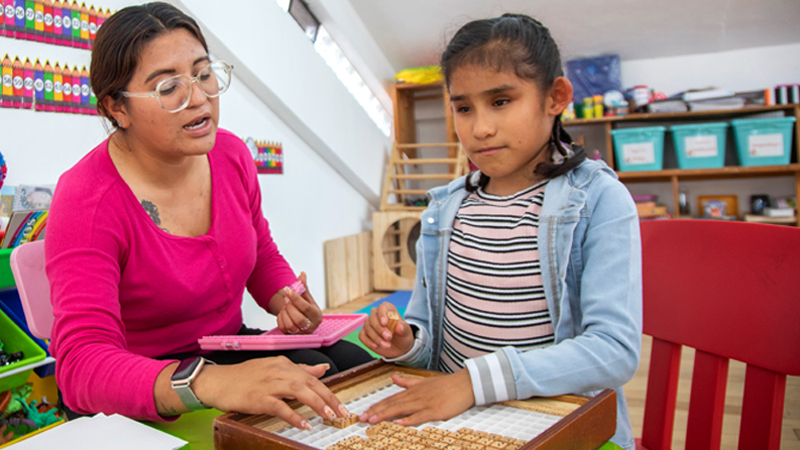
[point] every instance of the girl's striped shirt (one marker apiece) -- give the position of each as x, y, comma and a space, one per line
495, 297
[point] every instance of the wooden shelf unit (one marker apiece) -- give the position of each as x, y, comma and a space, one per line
675, 176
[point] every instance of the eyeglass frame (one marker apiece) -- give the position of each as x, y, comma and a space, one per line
192, 81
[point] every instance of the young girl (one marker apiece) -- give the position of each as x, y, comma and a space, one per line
529, 269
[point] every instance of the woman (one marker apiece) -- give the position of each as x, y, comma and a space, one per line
155, 234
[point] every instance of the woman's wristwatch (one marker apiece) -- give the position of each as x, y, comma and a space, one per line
182, 380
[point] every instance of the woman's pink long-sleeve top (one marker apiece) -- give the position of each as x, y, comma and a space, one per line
124, 291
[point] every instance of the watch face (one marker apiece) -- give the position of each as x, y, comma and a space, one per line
186, 368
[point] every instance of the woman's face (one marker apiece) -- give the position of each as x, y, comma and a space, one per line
191, 131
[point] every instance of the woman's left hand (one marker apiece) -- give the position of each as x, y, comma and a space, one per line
300, 313
424, 400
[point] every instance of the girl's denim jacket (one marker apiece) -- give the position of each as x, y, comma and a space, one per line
590, 255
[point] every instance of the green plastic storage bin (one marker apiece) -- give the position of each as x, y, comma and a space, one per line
639, 148
15, 340
6, 277
763, 142
700, 145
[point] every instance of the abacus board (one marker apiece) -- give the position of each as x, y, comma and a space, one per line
568, 421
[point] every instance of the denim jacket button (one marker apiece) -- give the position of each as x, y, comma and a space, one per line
431, 220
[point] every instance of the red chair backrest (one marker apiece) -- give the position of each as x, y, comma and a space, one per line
731, 290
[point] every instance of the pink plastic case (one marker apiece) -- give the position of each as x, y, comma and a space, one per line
333, 328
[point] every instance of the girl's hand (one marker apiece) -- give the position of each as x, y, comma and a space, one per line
259, 386
424, 400
383, 341
300, 313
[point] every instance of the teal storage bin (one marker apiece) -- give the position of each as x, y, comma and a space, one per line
763, 142
700, 145
15, 340
639, 149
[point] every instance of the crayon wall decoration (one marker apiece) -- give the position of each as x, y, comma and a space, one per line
58, 89
38, 86
9, 19
66, 25
66, 89
57, 31
268, 157
38, 20
19, 19
18, 82
75, 16
59, 22
8, 82
46, 87
76, 90
27, 83
49, 37
30, 20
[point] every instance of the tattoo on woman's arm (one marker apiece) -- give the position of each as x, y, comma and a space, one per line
152, 210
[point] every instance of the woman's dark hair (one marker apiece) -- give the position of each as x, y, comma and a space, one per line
518, 43
120, 41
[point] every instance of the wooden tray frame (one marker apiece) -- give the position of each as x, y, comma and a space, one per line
589, 425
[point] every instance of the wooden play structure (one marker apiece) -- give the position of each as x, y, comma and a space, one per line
396, 226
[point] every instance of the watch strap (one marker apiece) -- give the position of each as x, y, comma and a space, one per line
183, 387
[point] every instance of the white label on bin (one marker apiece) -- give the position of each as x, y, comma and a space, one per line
640, 153
765, 145
701, 146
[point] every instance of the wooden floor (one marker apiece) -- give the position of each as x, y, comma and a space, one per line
635, 392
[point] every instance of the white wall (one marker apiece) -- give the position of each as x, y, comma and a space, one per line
740, 70
273, 46
311, 202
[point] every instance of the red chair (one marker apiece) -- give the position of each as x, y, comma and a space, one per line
731, 290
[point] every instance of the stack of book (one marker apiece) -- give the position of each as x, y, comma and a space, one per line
648, 208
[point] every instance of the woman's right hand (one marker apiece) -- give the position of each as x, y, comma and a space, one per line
381, 340
258, 386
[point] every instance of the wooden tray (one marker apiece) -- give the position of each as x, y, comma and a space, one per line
587, 423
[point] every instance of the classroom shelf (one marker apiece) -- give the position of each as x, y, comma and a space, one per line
682, 115
676, 176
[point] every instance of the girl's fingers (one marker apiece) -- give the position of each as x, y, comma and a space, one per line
368, 341
374, 336
415, 419
405, 382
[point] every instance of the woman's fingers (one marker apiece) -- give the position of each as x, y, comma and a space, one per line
281, 410
298, 320
311, 392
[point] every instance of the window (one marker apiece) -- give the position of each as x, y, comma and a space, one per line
338, 62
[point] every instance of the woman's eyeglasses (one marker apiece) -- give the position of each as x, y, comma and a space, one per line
175, 93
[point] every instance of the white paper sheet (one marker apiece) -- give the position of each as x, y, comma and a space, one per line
102, 432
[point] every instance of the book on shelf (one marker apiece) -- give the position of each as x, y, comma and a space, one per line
779, 212
706, 94
758, 218
667, 106
717, 103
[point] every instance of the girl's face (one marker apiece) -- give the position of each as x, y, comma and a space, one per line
504, 123
191, 131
